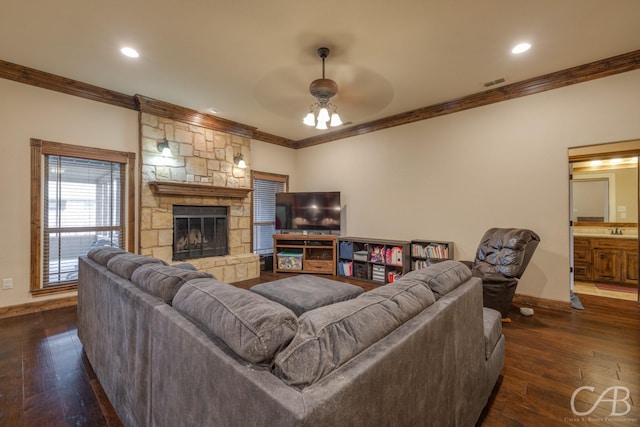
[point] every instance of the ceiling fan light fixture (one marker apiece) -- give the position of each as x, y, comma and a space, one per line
335, 120
323, 115
309, 119
323, 90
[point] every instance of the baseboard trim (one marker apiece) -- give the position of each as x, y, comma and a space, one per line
35, 307
542, 303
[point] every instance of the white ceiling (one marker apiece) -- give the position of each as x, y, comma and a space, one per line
254, 60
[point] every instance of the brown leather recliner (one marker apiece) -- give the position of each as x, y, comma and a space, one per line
503, 255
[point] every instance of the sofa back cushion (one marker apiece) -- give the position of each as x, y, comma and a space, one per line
330, 336
103, 254
441, 277
164, 281
254, 327
125, 264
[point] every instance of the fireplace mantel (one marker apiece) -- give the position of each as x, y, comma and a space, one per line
204, 190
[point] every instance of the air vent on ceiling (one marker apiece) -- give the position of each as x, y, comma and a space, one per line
495, 82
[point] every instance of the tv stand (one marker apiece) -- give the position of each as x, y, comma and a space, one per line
304, 253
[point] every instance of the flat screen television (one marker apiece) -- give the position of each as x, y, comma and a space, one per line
310, 211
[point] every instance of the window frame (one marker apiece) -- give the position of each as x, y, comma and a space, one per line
40, 148
267, 176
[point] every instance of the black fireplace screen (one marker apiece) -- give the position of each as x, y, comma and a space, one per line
199, 231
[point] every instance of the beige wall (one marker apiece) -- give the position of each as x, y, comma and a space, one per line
274, 159
447, 178
29, 112
627, 194
453, 177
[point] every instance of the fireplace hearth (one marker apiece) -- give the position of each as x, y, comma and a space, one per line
199, 232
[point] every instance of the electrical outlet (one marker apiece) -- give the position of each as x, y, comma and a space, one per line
7, 283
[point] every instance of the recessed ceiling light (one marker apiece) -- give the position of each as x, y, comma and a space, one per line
130, 52
214, 110
522, 47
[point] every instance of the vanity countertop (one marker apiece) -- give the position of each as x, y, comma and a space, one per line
606, 235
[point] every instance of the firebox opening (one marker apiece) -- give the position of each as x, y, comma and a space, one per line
199, 232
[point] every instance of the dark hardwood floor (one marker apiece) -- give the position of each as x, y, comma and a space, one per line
45, 379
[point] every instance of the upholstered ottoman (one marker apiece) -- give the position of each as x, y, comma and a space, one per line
304, 292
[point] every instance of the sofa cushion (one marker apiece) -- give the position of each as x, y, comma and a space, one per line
103, 254
441, 277
254, 327
410, 295
125, 264
164, 281
330, 336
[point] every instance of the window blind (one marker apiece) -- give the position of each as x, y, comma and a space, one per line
83, 202
264, 213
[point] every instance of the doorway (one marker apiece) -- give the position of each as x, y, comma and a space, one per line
604, 201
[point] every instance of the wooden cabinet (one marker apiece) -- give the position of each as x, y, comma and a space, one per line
609, 260
377, 260
582, 259
423, 251
630, 267
607, 265
302, 253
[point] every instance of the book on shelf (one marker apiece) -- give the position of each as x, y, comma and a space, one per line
432, 250
418, 264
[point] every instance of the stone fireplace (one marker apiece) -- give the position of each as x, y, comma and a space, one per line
199, 174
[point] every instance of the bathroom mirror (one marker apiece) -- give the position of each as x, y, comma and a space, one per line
606, 191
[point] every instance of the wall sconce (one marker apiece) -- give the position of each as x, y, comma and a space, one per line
163, 147
238, 159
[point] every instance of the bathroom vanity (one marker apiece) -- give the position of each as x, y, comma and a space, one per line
606, 254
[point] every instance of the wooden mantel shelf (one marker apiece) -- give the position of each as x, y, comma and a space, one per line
204, 190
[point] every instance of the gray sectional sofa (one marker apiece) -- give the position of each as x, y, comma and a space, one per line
172, 346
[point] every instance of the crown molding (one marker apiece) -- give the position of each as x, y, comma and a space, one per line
273, 139
30, 76
594, 70
570, 76
187, 115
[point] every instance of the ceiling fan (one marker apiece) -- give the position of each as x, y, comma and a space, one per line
363, 92
323, 90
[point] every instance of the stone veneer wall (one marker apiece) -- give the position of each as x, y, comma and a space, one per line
200, 156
